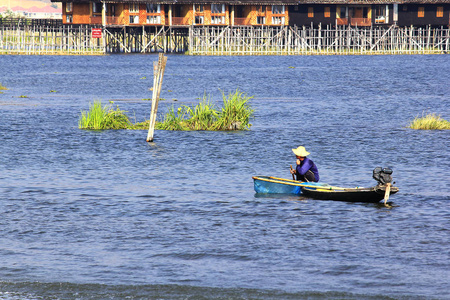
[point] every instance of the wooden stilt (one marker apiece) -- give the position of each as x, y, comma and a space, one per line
387, 192
158, 74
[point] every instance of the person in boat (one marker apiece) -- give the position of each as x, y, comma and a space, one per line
306, 169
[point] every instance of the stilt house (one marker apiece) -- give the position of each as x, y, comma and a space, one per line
361, 13
366, 13
177, 12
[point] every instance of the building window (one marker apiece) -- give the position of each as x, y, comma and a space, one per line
153, 8
310, 12
277, 20
440, 12
153, 19
342, 12
69, 19
217, 20
134, 8
199, 20
217, 8
134, 19
69, 7
381, 14
97, 8
421, 12
260, 20
198, 8
278, 9
261, 9
327, 13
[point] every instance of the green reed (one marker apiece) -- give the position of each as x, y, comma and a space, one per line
429, 122
236, 112
103, 117
234, 115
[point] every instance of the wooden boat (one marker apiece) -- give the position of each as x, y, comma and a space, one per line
275, 185
371, 195
323, 191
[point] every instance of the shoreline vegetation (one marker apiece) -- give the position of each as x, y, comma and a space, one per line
235, 114
431, 121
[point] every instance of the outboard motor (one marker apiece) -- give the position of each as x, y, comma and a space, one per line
382, 175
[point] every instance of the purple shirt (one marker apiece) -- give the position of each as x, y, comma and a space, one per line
306, 165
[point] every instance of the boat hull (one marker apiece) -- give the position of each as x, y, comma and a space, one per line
321, 191
369, 195
275, 185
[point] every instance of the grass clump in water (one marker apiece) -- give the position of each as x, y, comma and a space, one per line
105, 117
2, 88
429, 122
234, 115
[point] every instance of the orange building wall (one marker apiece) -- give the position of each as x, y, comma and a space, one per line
82, 14
187, 13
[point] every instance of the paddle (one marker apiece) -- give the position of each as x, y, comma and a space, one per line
293, 176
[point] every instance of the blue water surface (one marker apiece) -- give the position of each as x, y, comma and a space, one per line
106, 215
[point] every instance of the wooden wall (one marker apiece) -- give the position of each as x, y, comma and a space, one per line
299, 15
408, 14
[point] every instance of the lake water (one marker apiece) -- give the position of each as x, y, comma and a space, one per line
106, 215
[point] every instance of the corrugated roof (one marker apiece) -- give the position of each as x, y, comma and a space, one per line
265, 2
350, 2
230, 2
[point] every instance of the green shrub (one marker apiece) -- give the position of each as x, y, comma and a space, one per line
429, 122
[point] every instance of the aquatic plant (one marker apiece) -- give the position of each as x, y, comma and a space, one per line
105, 117
174, 120
429, 122
2, 88
236, 112
234, 115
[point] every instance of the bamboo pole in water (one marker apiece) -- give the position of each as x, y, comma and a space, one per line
158, 74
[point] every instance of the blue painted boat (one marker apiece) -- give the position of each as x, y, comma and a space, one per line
322, 191
275, 185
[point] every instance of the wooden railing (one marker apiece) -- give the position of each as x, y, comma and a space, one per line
242, 21
114, 21
360, 21
354, 21
180, 21
95, 20
29, 22
342, 21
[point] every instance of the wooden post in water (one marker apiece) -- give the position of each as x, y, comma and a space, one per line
158, 74
387, 192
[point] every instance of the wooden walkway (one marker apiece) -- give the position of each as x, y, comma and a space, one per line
215, 40
49, 40
317, 41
